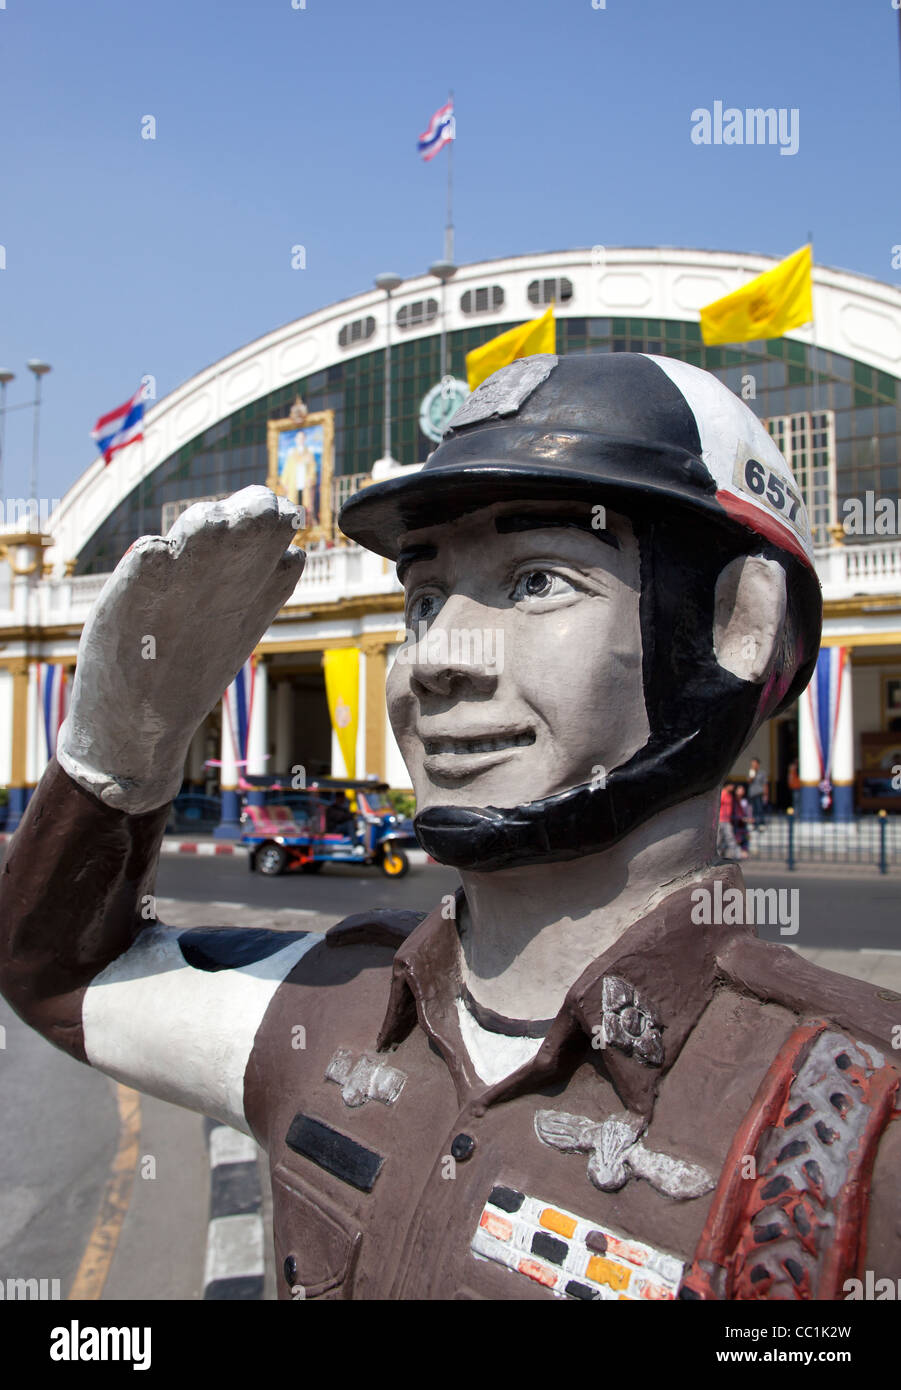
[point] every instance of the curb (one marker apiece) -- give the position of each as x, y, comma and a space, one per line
200, 847
234, 1267
172, 846
212, 847
417, 857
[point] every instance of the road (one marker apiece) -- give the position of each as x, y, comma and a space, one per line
61, 1129
836, 909
336, 891
58, 1140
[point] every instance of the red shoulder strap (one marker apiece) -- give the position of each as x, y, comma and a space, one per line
788, 1218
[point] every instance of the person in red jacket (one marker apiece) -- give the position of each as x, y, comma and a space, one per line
726, 843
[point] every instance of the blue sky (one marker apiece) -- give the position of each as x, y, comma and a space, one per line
278, 126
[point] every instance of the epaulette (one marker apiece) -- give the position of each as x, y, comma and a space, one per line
380, 926
778, 975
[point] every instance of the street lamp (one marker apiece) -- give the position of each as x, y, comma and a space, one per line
39, 369
389, 283
443, 271
6, 376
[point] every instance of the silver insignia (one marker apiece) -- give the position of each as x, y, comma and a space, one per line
616, 1153
369, 1078
630, 1023
503, 392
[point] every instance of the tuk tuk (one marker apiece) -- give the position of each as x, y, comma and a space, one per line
332, 821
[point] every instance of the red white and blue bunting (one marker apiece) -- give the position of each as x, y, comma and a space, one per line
237, 708
824, 695
53, 700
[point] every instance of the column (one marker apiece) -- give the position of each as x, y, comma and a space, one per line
284, 728
17, 790
37, 739
229, 827
808, 759
375, 709
843, 759
396, 772
258, 733
361, 722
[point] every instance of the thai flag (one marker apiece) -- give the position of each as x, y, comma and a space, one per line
121, 427
440, 132
53, 697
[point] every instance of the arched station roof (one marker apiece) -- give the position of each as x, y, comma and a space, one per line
856, 316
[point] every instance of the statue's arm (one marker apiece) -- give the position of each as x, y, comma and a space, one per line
82, 958
71, 891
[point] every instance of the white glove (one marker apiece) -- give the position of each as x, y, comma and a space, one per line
172, 627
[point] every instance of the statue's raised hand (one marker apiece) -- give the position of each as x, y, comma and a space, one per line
171, 629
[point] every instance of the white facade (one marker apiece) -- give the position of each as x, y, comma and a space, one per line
348, 596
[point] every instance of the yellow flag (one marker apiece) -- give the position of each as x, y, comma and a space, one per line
538, 335
342, 690
767, 307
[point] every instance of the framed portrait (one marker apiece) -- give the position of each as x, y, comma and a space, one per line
301, 462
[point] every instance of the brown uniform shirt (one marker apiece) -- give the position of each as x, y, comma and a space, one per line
448, 1189
705, 1116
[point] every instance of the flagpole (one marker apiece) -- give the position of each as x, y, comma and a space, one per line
143, 438
816, 365
814, 421
449, 229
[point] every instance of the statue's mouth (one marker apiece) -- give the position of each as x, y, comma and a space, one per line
485, 743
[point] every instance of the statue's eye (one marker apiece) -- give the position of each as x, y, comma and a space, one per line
541, 584
422, 608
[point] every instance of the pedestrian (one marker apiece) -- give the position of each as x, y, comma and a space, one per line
725, 841
741, 816
758, 795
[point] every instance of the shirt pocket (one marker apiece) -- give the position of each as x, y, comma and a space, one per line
316, 1244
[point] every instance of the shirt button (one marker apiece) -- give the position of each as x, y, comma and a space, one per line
291, 1269
462, 1147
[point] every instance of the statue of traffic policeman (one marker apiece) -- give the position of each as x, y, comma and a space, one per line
567, 1080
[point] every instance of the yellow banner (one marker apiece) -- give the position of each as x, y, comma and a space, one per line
342, 690
767, 307
538, 335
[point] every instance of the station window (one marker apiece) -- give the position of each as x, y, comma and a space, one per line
807, 441
555, 290
416, 314
356, 332
487, 299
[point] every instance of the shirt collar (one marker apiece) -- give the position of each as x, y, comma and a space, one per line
635, 1005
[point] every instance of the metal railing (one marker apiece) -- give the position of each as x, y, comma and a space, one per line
868, 839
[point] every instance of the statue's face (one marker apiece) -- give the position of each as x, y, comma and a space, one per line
521, 674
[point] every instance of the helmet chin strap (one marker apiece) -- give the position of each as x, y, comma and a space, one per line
582, 820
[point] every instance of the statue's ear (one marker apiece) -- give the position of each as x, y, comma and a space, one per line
749, 615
